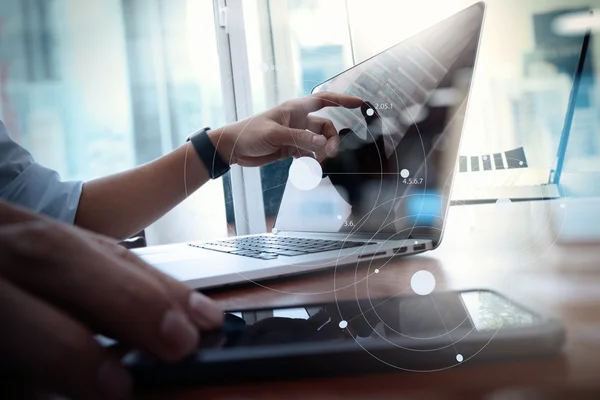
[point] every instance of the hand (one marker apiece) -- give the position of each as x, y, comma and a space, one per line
287, 130
60, 285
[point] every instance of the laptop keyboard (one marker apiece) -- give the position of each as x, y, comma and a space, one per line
271, 247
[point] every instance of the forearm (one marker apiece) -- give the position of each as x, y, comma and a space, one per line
123, 204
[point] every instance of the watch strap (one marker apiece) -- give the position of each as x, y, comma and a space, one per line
207, 152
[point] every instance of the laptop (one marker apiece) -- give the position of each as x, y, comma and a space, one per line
514, 181
385, 193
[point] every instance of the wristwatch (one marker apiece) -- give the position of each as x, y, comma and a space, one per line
208, 154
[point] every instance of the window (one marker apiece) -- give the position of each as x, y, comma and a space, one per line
99, 86
96, 87
521, 87
524, 72
293, 45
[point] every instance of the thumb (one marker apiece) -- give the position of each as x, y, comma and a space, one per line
298, 138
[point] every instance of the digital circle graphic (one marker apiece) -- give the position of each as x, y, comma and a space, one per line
305, 173
422, 283
305, 178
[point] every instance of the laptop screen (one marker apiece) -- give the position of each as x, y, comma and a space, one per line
578, 165
393, 169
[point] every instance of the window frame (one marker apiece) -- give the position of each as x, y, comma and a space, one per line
246, 186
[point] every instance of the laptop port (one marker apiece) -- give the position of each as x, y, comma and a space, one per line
419, 247
381, 253
401, 250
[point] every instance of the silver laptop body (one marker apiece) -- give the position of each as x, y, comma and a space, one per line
385, 194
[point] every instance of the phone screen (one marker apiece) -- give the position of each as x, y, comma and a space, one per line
448, 314
490, 312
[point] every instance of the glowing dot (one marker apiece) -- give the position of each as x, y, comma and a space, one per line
305, 173
264, 67
484, 158
563, 205
343, 324
370, 112
339, 217
404, 173
422, 283
376, 271
416, 242
459, 358
520, 162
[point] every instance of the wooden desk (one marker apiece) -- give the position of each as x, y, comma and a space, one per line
514, 248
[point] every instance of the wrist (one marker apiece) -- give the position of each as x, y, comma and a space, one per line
224, 145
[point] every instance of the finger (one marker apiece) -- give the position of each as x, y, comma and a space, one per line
321, 126
103, 291
11, 214
297, 139
295, 152
298, 153
54, 352
321, 100
205, 313
261, 161
326, 128
282, 153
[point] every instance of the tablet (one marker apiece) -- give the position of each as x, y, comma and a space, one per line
404, 333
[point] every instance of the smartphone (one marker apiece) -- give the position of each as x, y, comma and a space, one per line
410, 333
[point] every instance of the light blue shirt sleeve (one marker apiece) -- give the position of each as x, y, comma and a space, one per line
28, 184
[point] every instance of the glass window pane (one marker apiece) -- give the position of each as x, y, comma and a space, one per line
293, 45
520, 91
523, 79
99, 86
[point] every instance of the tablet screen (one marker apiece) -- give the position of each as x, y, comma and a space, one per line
450, 315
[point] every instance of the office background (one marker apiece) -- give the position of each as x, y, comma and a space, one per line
95, 87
